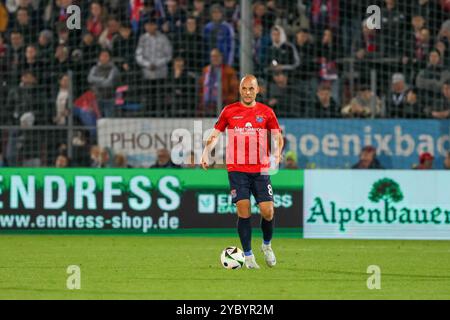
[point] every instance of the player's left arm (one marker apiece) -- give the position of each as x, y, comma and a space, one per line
279, 140
276, 137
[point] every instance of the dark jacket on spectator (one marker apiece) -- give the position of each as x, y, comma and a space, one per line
432, 78
23, 100
285, 54
320, 111
104, 79
308, 61
181, 96
191, 47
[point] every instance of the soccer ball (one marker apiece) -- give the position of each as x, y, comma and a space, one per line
232, 258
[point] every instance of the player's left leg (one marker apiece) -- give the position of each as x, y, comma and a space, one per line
262, 190
267, 222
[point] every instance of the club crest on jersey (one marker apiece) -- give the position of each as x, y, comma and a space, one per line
259, 119
233, 193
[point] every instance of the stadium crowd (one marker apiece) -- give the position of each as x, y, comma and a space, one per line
178, 58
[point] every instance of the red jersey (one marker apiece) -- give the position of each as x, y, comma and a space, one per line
248, 130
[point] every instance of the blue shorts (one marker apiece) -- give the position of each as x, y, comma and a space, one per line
243, 184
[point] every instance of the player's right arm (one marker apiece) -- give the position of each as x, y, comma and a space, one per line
211, 142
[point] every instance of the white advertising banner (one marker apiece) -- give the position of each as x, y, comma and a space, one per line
380, 204
140, 138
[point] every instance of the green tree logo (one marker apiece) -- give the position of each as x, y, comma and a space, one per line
386, 190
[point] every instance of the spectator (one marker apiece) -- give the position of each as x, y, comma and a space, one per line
425, 161
307, 71
327, 55
153, 54
174, 19
368, 47
190, 46
263, 16
220, 34
282, 55
104, 78
431, 79
163, 160
32, 63
4, 72
283, 97
417, 46
232, 12
4, 17
291, 161
396, 98
25, 109
261, 45
15, 56
95, 156
441, 108
96, 21
180, 96
200, 13
324, 15
123, 48
24, 26
83, 57
61, 63
62, 99
45, 47
209, 85
101, 157
394, 26
325, 106
26, 99
368, 159
110, 34
62, 161
56, 11
432, 11
66, 37
120, 161
293, 17
447, 161
366, 104
443, 47
106, 158
412, 107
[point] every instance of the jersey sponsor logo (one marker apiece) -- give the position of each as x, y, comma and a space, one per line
247, 130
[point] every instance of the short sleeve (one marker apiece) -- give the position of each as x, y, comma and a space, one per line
272, 123
222, 122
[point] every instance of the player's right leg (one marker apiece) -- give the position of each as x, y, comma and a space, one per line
240, 192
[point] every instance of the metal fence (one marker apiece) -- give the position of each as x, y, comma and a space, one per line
183, 59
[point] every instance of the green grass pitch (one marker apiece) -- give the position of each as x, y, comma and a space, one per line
163, 267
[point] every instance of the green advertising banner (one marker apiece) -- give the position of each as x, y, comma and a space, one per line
132, 201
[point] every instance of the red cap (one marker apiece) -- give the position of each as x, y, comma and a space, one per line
425, 156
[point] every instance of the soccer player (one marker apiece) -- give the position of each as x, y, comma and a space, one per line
249, 125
